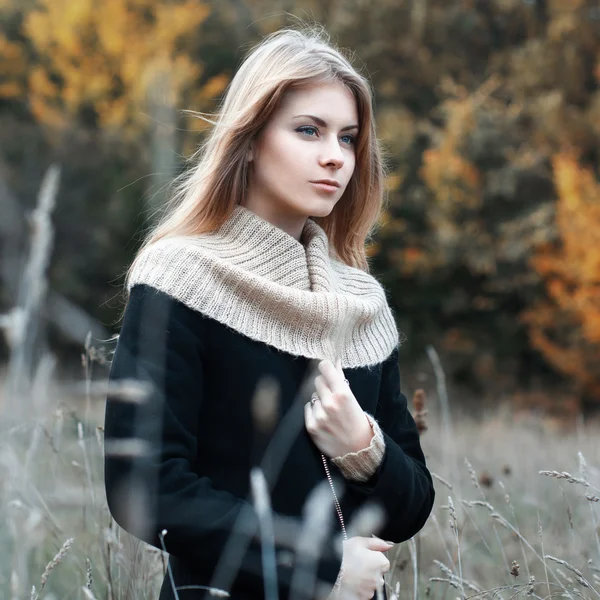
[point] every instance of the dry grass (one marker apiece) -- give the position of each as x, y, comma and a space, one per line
516, 513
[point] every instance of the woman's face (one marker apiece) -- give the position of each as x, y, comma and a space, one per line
311, 137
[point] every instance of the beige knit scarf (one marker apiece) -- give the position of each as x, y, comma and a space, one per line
260, 281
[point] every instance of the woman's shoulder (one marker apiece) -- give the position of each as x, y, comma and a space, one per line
152, 305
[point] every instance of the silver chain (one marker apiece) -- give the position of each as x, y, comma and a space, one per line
338, 508
337, 503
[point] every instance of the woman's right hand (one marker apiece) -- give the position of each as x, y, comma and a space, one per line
364, 566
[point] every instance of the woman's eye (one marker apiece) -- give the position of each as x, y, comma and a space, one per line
350, 139
306, 129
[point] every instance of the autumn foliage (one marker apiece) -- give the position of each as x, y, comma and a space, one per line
565, 328
104, 63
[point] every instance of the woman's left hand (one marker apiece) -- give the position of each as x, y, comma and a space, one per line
335, 421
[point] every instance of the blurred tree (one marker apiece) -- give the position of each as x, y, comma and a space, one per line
565, 328
474, 101
97, 89
102, 65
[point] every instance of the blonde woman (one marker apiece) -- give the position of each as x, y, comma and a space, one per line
251, 295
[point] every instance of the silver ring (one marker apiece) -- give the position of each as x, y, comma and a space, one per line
314, 398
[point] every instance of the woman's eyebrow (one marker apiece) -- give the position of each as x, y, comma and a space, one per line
323, 123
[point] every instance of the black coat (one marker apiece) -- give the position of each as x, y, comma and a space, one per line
195, 443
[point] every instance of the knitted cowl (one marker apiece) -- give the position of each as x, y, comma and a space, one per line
260, 281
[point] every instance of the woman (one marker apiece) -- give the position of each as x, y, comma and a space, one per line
256, 273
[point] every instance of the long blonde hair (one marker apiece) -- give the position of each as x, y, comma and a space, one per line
205, 195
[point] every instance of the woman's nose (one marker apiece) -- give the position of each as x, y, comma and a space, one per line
332, 155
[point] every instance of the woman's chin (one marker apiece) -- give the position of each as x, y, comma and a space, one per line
323, 209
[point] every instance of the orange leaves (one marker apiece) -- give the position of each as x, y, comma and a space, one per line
567, 329
12, 66
578, 211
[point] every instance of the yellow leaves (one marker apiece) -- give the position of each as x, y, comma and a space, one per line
10, 51
453, 179
40, 84
214, 87
10, 89
12, 68
59, 24
114, 33
118, 58
45, 113
174, 20
112, 114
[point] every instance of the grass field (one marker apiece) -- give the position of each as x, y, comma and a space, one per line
500, 527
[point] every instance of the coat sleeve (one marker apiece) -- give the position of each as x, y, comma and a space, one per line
402, 484
150, 447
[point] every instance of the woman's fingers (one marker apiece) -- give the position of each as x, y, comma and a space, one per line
333, 377
323, 390
318, 411
309, 418
313, 414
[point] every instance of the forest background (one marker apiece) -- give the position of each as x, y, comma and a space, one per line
489, 112
489, 248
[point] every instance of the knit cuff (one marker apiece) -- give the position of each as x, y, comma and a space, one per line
359, 466
338, 583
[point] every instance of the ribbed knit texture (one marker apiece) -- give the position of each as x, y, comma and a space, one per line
260, 281
359, 466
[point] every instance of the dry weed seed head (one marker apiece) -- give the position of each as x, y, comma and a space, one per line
453, 522
506, 494
420, 412
88, 573
578, 574
50, 566
514, 568
472, 474
565, 475
485, 479
401, 564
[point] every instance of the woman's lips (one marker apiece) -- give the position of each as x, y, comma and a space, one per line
326, 187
